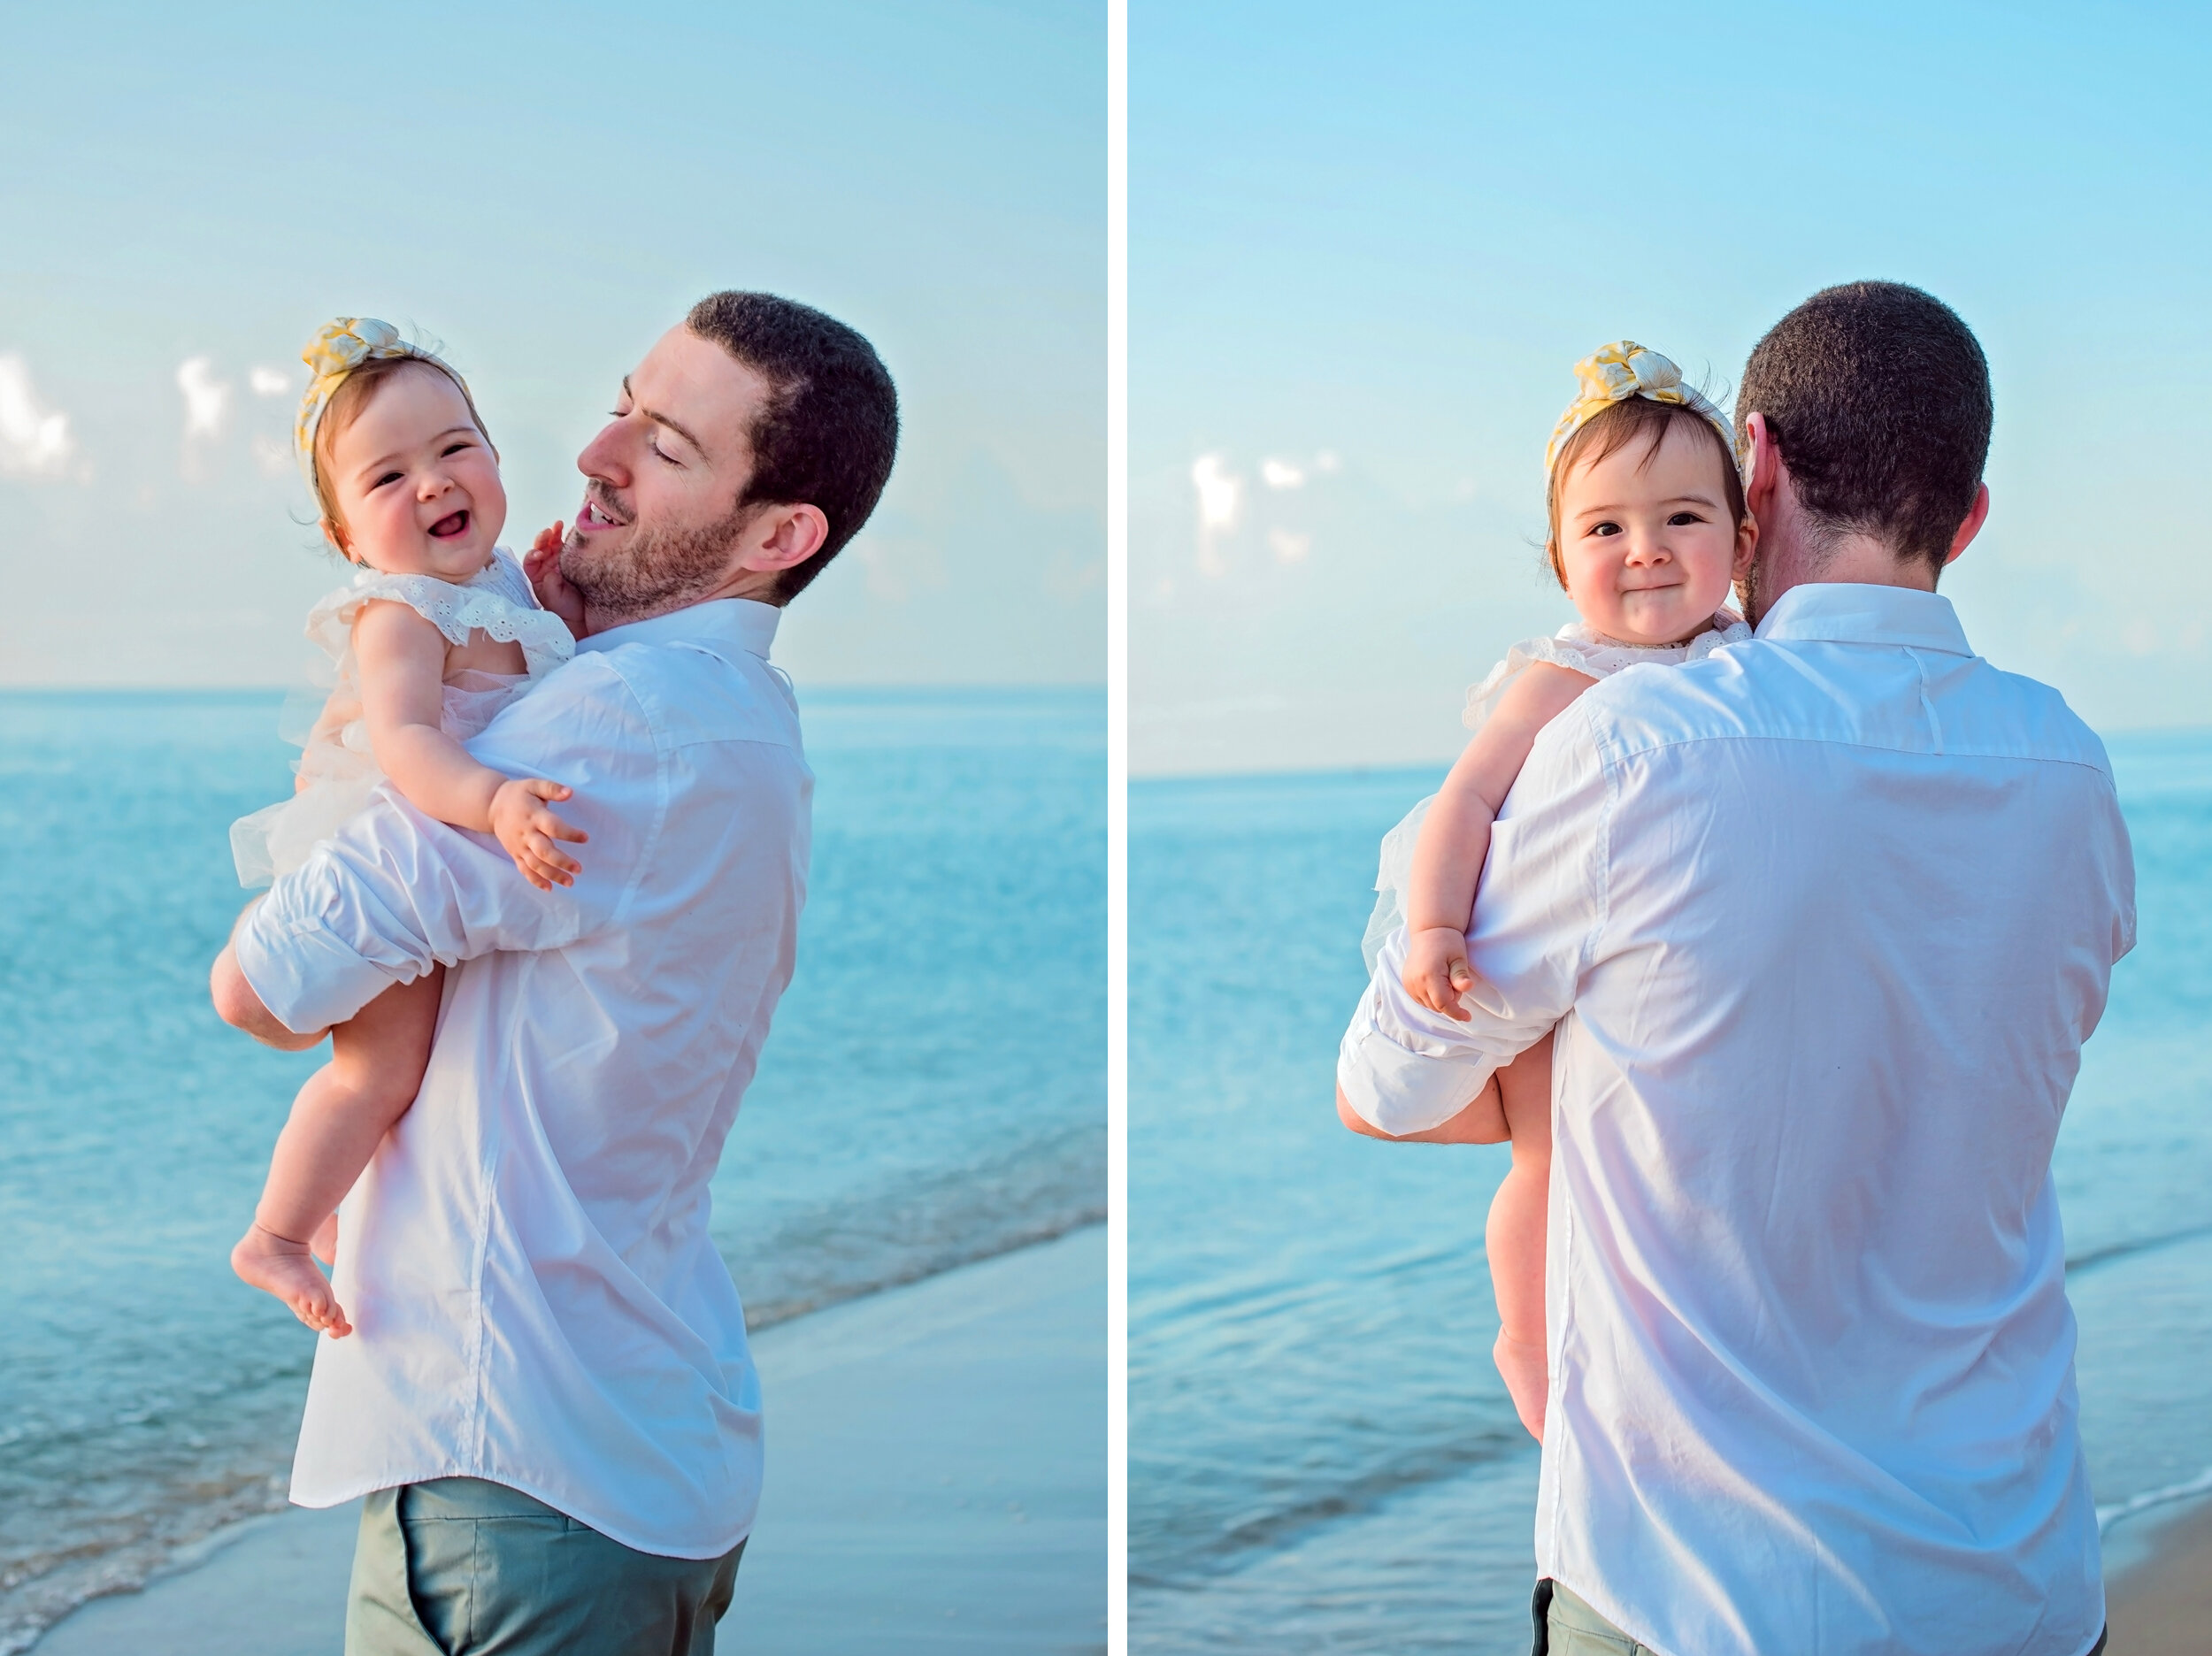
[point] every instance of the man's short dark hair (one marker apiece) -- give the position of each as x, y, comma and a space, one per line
831, 428
1877, 396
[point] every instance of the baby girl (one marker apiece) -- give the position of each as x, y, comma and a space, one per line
436, 632
1648, 532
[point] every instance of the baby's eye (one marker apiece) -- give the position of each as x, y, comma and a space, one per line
1682, 519
390, 476
1606, 528
459, 444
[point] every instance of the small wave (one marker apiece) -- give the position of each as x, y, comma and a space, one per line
1271, 1529
2093, 1257
2201, 1485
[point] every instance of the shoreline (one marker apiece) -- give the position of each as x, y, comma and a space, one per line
937, 1480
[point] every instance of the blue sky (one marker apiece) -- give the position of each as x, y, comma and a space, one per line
190, 191
1367, 243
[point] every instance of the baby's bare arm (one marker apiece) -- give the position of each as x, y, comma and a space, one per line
403, 676
402, 660
1456, 835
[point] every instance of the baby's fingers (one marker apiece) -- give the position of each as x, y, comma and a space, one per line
553, 827
527, 866
549, 860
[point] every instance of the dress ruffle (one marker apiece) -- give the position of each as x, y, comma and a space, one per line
338, 771
496, 601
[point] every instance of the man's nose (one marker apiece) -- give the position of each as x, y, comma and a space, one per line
603, 458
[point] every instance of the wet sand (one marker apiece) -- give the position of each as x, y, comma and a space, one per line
2161, 1606
936, 1482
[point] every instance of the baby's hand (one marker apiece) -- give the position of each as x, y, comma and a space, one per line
542, 564
526, 831
1437, 972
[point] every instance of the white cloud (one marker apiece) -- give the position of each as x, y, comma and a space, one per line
1326, 462
206, 398
33, 442
1220, 504
269, 382
1280, 474
1289, 547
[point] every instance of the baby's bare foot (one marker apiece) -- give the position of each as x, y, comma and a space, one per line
280, 1266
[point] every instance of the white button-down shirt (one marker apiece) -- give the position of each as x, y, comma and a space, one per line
1823, 922
535, 1297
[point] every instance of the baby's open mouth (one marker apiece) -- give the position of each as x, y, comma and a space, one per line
451, 524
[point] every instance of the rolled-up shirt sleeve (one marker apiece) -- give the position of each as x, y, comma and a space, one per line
1539, 912
395, 891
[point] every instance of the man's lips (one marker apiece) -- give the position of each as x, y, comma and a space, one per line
450, 526
592, 516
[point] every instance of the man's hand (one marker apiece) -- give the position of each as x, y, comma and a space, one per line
1436, 970
526, 831
542, 564
238, 1006
1482, 1122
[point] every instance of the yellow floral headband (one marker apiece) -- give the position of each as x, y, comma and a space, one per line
1622, 370
335, 352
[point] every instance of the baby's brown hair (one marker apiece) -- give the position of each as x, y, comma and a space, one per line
1612, 429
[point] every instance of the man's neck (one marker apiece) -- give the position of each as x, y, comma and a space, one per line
1847, 560
755, 584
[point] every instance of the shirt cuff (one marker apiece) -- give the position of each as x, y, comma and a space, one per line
303, 974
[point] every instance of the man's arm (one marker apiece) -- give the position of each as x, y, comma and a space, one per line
1406, 1071
395, 891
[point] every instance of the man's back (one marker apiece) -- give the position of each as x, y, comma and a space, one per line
1862, 899
1823, 922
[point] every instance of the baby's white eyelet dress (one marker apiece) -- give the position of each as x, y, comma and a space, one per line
1576, 645
338, 771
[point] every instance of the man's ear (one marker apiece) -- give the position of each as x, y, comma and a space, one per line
1971, 525
1747, 547
784, 537
1766, 466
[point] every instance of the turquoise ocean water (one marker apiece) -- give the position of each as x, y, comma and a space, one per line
933, 1091
1323, 1457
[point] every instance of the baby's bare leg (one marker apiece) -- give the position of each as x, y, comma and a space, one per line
1515, 1239
343, 1112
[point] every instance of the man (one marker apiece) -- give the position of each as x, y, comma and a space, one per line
548, 1399
1823, 922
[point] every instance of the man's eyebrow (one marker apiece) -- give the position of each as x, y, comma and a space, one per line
678, 426
385, 460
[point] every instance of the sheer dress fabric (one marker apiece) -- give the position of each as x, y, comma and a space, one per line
338, 770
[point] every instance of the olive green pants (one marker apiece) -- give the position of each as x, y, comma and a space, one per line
462, 1568
1566, 1626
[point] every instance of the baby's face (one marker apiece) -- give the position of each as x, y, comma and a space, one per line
1647, 539
416, 482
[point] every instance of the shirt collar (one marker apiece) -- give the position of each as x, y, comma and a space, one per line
1848, 612
720, 624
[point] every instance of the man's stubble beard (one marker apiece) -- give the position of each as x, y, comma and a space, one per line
659, 569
